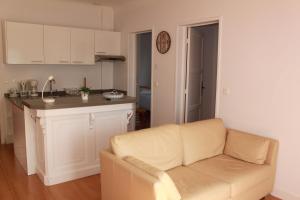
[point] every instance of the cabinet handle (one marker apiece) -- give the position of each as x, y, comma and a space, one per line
64, 61
77, 62
34, 117
100, 52
37, 61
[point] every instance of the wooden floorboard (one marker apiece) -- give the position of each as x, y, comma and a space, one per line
16, 185
5, 189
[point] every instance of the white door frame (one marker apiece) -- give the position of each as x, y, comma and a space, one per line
181, 62
132, 66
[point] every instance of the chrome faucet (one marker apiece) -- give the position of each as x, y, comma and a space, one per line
51, 86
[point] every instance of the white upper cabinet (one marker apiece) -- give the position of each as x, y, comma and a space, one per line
24, 43
107, 43
82, 46
57, 45
42, 44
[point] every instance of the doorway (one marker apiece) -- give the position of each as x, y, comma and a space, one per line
143, 80
201, 70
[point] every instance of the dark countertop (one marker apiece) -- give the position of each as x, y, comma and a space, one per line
17, 101
61, 102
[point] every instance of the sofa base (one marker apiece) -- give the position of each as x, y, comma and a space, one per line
258, 192
235, 179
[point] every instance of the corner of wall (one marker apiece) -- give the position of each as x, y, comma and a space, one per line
284, 195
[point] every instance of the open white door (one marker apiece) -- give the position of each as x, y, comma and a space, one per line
194, 73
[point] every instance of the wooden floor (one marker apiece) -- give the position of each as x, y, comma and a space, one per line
15, 184
142, 119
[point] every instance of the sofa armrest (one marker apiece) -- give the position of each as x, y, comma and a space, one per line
121, 180
272, 151
168, 185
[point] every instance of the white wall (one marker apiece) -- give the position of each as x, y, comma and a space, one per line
259, 64
53, 12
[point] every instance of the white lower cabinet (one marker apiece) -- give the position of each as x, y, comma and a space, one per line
107, 125
40, 150
68, 142
19, 136
24, 140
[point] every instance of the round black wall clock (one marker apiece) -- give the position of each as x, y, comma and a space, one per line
163, 42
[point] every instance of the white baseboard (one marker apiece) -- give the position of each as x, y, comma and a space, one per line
69, 176
285, 195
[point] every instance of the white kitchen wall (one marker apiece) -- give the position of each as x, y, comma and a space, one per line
53, 12
260, 66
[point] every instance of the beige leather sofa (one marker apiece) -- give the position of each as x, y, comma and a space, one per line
195, 161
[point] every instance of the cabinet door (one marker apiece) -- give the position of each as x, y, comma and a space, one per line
57, 45
82, 46
107, 125
70, 143
40, 147
19, 136
107, 43
24, 43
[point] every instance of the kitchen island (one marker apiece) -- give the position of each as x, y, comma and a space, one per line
63, 139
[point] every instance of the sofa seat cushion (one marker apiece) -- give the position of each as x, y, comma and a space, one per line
202, 139
197, 186
241, 175
161, 147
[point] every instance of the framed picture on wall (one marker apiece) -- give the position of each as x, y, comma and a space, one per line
163, 42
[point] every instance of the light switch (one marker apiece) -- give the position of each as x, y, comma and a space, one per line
156, 84
226, 91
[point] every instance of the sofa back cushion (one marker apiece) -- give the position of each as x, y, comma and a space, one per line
247, 147
160, 147
203, 139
